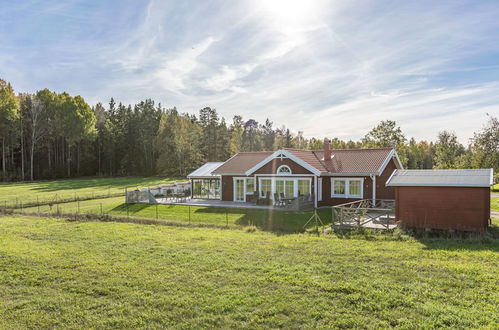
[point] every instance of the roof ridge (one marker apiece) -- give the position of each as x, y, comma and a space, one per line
363, 149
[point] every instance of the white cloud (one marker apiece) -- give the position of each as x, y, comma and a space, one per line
325, 68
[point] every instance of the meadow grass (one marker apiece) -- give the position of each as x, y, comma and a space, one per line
28, 192
60, 273
494, 204
271, 220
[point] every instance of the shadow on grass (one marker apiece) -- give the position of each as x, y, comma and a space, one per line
280, 222
453, 241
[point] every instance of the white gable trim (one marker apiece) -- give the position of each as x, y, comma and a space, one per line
392, 155
288, 155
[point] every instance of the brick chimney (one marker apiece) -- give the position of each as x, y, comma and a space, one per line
327, 149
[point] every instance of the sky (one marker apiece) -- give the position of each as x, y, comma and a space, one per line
327, 68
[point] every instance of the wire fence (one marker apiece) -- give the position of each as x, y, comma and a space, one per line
24, 202
115, 208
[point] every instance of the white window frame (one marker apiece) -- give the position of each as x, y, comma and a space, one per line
284, 173
319, 189
347, 188
273, 186
245, 178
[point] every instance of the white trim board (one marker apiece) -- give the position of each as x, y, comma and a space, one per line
392, 155
288, 155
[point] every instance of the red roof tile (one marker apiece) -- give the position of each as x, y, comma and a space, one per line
342, 161
243, 161
355, 160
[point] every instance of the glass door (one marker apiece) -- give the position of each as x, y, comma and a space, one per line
239, 195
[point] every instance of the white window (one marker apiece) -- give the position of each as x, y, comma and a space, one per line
283, 169
250, 186
347, 187
303, 187
265, 187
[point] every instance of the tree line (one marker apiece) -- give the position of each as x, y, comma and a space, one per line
47, 135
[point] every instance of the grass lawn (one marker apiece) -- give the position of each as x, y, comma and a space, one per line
263, 219
494, 204
495, 187
83, 187
58, 273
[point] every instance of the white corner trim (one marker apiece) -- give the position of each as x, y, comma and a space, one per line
391, 176
288, 155
391, 155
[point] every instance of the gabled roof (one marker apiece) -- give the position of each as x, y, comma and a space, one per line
205, 171
241, 162
442, 178
343, 161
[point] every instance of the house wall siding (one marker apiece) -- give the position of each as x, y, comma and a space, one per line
327, 200
272, 166
227, 188
457, 208
382, 191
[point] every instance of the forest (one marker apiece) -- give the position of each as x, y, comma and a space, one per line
47, 135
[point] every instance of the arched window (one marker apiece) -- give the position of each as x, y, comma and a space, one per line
283, 169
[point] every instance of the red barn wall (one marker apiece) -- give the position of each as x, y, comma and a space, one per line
457, 208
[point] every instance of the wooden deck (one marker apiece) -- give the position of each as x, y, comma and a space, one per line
365, 214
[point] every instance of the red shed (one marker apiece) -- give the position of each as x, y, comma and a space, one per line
443, 199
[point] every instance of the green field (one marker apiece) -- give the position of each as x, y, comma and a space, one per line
263, 219
71, 188
494, 204
59, 273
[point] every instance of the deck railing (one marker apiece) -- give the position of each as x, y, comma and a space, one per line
365, 213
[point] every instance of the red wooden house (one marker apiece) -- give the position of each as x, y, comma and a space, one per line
327, 177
